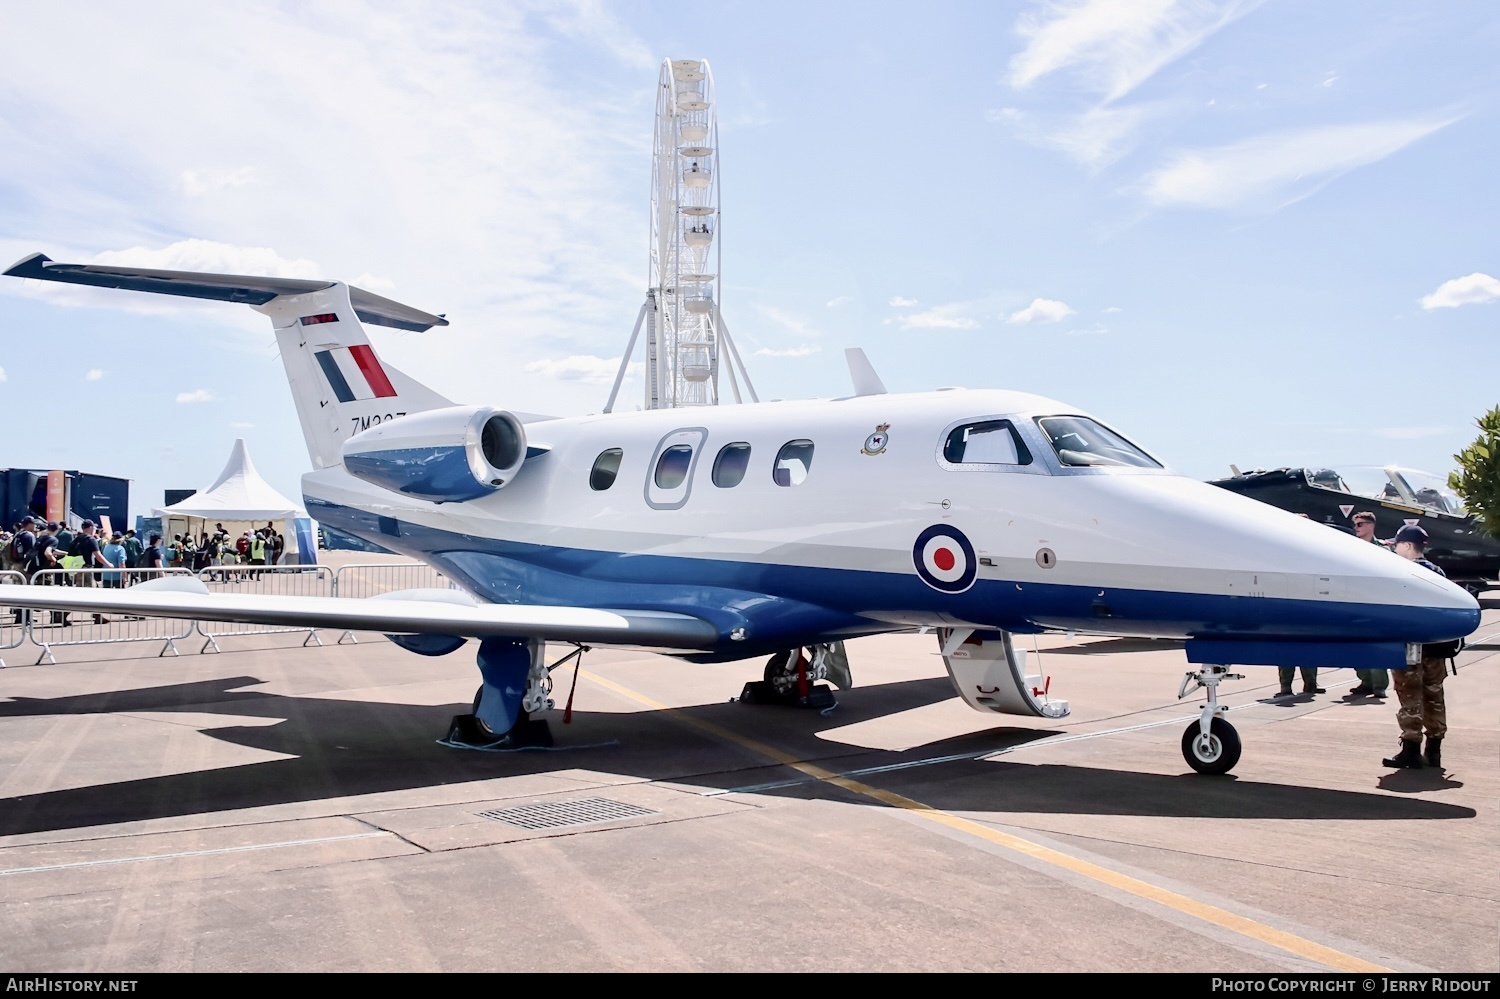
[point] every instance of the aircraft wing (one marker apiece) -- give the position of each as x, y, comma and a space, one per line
406, 612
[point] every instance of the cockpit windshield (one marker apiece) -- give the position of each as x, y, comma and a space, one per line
1080, 441
1429, 490
1327, 478
1401, 485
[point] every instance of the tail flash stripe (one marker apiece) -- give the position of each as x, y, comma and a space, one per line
373, 372
335, 376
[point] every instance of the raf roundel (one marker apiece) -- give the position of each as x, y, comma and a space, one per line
944, 559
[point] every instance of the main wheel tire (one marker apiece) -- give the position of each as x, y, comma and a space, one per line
1215, 755
780, 679
478, 693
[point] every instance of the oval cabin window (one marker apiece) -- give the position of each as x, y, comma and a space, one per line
730, 465
793, 462
672, 467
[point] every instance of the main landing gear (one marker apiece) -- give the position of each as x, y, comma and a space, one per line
1210, 745
792, 678
517, 686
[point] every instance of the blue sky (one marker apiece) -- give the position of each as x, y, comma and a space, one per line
1259, 233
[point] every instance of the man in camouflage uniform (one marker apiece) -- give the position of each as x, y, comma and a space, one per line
1372, 682
1420, 688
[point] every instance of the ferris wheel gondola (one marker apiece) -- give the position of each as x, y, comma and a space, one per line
687, 342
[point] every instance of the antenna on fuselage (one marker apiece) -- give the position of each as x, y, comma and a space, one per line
862, 373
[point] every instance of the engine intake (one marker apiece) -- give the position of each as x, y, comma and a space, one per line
443, 455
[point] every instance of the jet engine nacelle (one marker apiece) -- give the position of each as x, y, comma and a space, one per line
443, 455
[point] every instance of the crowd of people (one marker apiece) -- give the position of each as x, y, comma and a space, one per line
35, 546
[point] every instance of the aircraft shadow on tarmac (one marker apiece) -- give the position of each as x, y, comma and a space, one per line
346, 748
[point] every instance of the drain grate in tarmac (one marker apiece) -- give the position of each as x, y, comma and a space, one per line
554, 814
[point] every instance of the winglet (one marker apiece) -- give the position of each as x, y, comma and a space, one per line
862, 373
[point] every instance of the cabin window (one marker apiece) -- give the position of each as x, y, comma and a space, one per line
672, 467
992, 442
793, 462
730, 465
1080, 441
606, 467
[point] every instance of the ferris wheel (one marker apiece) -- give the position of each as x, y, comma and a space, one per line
686, 339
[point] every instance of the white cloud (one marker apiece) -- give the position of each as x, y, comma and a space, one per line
1095, 330
94, 374
1041, 310
240, 425
531, 175
1276, 169
796, 324
1411, 433
585, 368
197, 395
197, 183
1115, 45
1111, 309
373, 282
940, 317
1470, 290
834, 303
207, 255
1096, 137
801, 351
2, 374
902, 303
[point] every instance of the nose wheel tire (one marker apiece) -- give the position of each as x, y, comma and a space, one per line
1215, 753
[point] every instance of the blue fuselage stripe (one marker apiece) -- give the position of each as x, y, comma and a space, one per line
782, 603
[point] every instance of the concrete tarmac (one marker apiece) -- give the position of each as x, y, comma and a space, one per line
281, 808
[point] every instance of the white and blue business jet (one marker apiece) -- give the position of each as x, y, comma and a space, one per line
783, 529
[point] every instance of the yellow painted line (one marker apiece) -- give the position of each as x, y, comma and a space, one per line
1242, 925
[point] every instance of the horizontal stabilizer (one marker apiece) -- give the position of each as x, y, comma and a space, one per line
399, 614
249, 290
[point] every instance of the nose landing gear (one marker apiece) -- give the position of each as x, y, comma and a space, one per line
1210, 745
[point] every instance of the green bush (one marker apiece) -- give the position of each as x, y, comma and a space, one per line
1477, 480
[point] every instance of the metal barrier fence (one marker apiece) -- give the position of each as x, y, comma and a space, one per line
386, 577
49, 629
12, 619
280, 581
363, 581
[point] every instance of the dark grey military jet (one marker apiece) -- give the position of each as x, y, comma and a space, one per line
1396, 496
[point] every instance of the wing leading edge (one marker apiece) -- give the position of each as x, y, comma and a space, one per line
402, 613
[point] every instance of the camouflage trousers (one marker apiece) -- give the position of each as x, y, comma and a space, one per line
1420, 689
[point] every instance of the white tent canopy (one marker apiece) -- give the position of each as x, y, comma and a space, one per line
238, 494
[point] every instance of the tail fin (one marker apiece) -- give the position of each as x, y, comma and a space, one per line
338, 383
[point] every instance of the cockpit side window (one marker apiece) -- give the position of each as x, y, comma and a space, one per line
991, 442
606, 467
1080, 441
